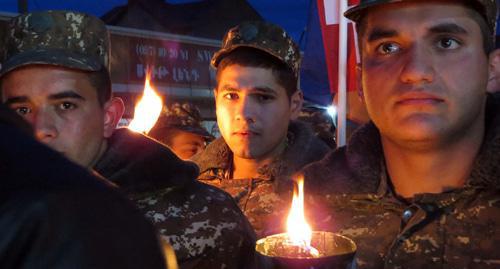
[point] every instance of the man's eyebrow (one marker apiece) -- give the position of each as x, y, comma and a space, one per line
450, 28
66, 94
257, 89
228, 87
264, 89
260, 89
379, 33
16, 100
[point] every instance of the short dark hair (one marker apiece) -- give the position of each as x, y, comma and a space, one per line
473, 12
486, 32
101, 81
251, 57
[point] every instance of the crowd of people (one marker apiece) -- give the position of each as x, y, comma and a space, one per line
416, 186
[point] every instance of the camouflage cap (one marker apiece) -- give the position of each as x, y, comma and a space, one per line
185, 117
487, 8
263, 36
61, 38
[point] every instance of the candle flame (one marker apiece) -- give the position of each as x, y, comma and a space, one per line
298, 230
147, 110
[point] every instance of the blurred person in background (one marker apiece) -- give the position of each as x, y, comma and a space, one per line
321, 122
494, 77
179, 127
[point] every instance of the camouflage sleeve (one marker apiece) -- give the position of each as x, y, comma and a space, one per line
203, 224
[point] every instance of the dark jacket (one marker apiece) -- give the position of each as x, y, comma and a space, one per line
54, 214
203, 224
265, 200
349, 192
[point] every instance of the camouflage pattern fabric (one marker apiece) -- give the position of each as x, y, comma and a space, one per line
185, 116
348, 192
321, 124
487, 8
264, 36
62, 38
264, 204
203, 224
266, 199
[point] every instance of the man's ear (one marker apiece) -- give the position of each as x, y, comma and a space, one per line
113, 112
296, 101
494, 71
359, 85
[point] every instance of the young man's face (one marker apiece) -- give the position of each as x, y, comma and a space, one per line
253, 111
62, 107
423, 71
185, 144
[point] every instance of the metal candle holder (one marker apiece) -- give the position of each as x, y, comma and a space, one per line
335, 251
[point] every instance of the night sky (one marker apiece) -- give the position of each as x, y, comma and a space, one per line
290, 14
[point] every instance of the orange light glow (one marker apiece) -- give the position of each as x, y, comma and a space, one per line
147, 110
298, 230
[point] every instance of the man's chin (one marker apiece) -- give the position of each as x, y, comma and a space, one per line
244, 153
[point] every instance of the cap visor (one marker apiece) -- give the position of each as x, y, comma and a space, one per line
354, 13
50, 57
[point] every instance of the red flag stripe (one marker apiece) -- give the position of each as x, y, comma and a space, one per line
329, 10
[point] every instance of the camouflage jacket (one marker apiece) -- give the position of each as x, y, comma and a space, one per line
265, 200
203, 224
349, 192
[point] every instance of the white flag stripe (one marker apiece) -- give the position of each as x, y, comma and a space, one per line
355, 36
331, 11
342, 76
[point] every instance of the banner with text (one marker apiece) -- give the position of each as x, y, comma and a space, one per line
172, 63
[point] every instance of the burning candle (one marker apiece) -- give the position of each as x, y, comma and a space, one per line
298, 230
147, 110
300, 247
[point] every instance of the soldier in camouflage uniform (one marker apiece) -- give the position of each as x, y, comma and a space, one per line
179, 127
418, 187
55, 74
261, 146
321, 123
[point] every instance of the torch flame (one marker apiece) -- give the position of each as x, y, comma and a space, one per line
298, 230
147, 110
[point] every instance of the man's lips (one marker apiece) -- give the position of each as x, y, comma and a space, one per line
419, 98
245, 133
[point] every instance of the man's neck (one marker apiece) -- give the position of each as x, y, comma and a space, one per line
432, 170
249, 168
102, 150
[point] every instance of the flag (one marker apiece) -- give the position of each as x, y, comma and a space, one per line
329, 17
313, 73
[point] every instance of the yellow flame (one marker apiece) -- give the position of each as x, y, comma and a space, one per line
147, 110
298, 230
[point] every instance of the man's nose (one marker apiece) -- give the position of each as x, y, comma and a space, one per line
418, 66
44, 125
246, 110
